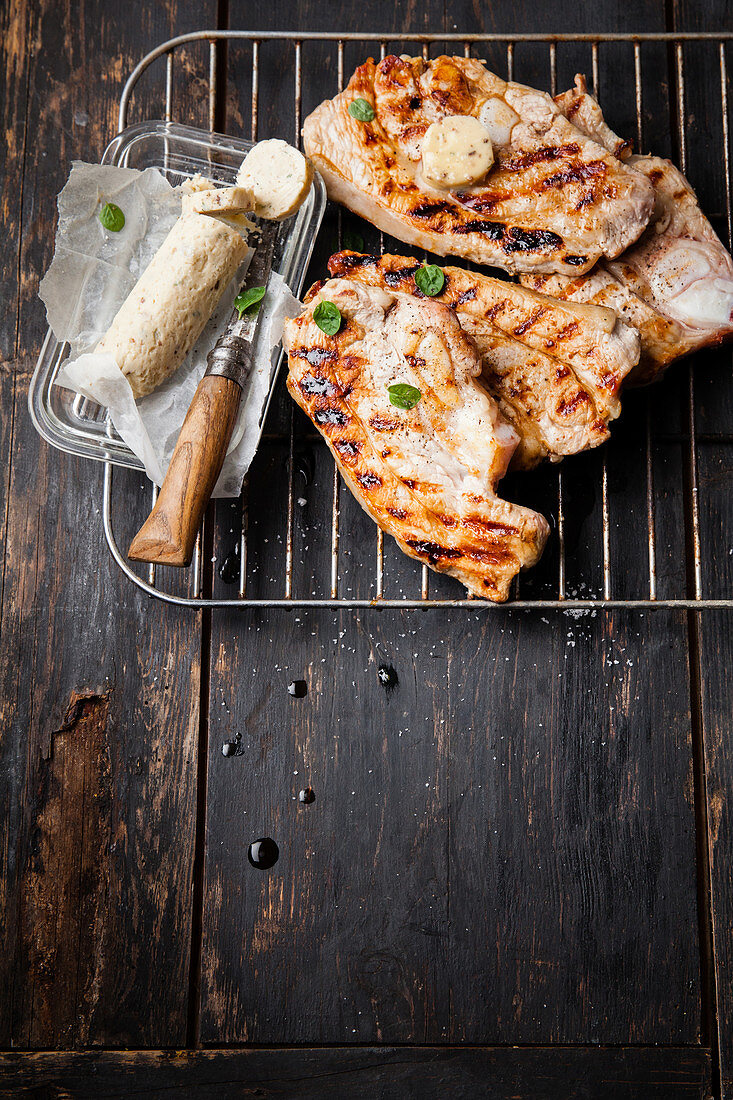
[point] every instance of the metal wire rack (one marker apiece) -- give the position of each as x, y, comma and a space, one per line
352, 565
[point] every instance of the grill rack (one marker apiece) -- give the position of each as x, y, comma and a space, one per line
200, 581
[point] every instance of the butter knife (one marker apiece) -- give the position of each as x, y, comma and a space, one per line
169, 533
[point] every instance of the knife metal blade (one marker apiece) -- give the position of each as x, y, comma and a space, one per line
233, 353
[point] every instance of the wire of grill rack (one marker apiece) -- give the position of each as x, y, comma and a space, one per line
154, 580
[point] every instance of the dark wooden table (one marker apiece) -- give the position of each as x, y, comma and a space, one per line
515, 880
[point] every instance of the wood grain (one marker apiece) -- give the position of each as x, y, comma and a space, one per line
703, 118
466, 888
99, 687
395, 913
503, 850
168, 535
396, 1073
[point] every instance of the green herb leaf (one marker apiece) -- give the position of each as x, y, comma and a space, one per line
404, 396
361, 109
430, 279
248, 298
328, 318
111, 217
353, 241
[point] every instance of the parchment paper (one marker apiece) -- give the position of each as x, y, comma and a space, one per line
91, 274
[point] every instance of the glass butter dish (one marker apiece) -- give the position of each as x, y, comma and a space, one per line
78, 425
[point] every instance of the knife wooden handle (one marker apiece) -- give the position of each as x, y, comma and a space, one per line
168, 535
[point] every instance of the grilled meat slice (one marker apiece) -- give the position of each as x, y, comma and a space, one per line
554, 199
425, 474
580, 108
675, 285
554, 368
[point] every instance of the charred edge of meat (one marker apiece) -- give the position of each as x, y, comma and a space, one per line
390, 62
534, 316
343, 262
568, 330
483, 203
348, 448
575, 261
531, 240
466, 296
311, 293
575, 173
495, 231
315, 356
397, 276
541, 156
511, 238
433, 551
430, 209
331, 415
394, 277
610, 381
314, 385
369, 480
569, 405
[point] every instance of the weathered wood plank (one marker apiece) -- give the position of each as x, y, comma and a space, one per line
703, 118
396, 1073
714, 658
15, 35
99, 687
14, 51
503, 850
402, 978
329, 945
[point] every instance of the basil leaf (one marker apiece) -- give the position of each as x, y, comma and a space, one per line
327, 317
248, 298
111, 217
430, 279
353, 241
361, 109
404, 396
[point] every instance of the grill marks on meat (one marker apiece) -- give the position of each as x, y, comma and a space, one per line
554, 368
675, 284
426, 475
555, 199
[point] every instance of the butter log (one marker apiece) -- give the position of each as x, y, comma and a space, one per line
166, 311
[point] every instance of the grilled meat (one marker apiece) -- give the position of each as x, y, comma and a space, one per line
554, 200
675, 285
554, 368
580, 108
426, 474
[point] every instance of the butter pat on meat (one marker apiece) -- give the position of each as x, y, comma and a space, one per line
456, 151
